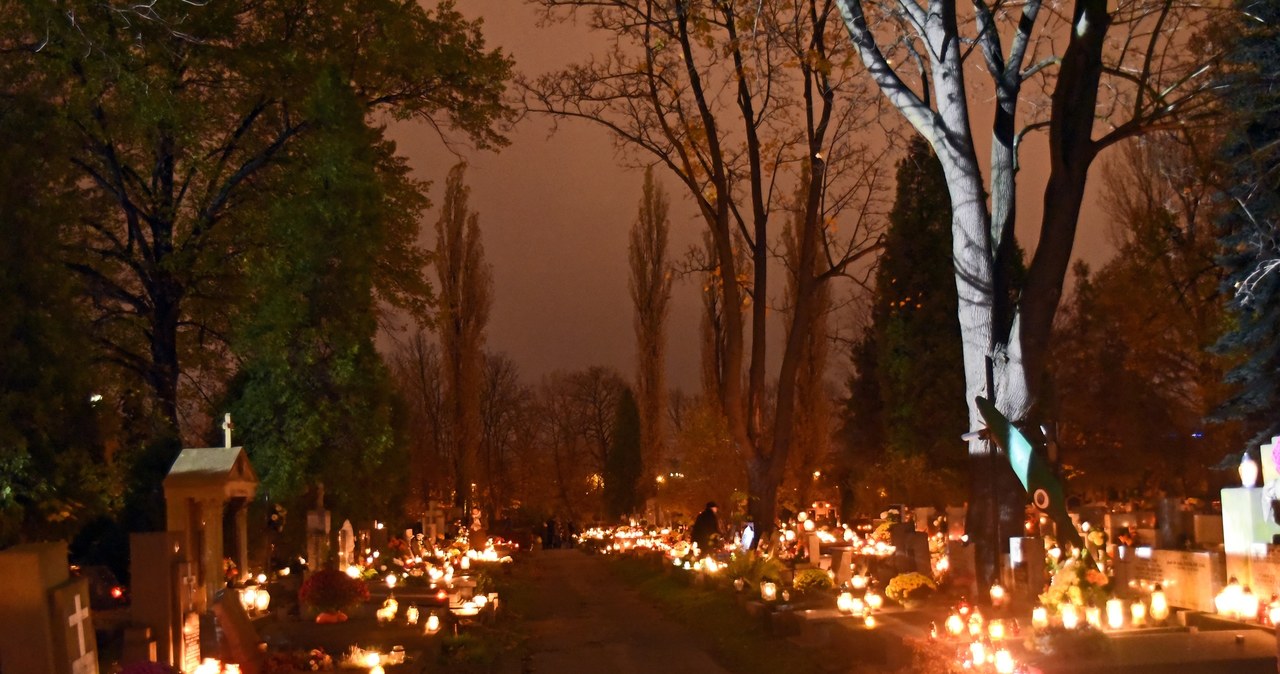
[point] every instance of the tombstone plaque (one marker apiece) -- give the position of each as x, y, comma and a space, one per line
74, 631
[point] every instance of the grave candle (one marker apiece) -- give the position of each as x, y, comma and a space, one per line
1093, 616
995, 630
768, 591
1115, 614
1040, 617
844, 603
1159, 605
1004, 662
1247, 605
954, 625
874, 600
1138, 614
979, 652
1070, 616
997, 595
975, 624
1248, 471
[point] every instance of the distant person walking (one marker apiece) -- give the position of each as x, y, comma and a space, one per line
706, 528
552, 539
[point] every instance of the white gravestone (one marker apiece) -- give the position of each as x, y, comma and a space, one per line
1189, 579
346, 545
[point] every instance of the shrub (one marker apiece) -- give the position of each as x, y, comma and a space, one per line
330, 590
910, 587
754, 568
812, 580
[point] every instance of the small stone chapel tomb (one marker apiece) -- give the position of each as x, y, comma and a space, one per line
207, 495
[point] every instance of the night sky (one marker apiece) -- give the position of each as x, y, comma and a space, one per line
555, 210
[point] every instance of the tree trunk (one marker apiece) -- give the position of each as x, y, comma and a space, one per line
166, 297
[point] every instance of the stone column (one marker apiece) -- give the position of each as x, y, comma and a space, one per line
242, 535
214, 580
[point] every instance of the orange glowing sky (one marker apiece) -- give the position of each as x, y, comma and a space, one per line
555, 209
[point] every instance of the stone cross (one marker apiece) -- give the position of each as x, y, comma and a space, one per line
227, 427
76, 620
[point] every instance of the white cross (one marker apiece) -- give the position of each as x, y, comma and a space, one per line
226, 428
76, 620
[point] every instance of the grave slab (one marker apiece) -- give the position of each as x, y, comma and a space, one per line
1244, 652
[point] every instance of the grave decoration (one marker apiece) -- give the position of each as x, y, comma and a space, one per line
330, 593
978, 644
910, 589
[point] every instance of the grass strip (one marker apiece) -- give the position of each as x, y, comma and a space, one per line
737, 641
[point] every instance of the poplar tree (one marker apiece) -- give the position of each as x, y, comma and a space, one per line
650, 296
463, 302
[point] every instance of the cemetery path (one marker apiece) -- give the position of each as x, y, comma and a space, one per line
586, 620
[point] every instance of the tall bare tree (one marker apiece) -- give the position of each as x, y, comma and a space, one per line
730, 97
418, 375
813, 417
1122, 72
504, 404
651, 295
465, 294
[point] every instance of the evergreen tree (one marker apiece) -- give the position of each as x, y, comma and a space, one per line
917, 340
1250, 234
906, 399
314, 394
624, 463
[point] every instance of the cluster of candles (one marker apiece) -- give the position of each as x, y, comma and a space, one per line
860, 600
255, 599
982, 641
1117, 614
374, 660
1239, 602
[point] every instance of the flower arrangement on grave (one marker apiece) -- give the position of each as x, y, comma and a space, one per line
881, 533
1097, 538
1078, 581
910, 587
332, 591
809, 581
292, 662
